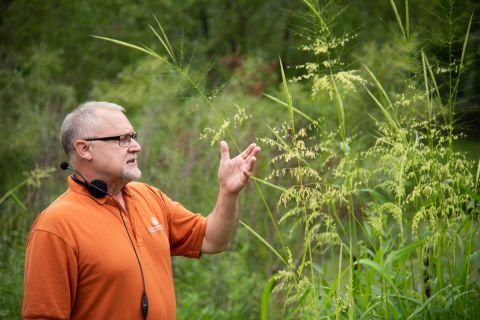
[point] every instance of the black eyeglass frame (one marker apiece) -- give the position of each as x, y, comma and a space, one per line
126, 138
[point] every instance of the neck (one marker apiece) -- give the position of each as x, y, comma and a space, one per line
121, 201
115, 190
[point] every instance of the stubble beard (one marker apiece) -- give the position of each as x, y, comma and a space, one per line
129, 175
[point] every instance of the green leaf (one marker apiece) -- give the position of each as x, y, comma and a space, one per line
133, 46
288, 96
429, 300
267, 290
380, 270
375, 194
403, 252
265, 242
286, 105
399, 19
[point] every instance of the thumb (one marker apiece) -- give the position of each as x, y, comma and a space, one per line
224, 153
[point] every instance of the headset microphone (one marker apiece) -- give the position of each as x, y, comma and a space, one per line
97, 188
64, 166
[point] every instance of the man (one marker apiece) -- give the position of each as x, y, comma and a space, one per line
108, 255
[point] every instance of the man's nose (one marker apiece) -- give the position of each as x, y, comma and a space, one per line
134, 146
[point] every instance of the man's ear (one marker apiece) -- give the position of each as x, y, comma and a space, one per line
83, 149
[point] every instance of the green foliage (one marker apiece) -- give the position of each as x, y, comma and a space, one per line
362, 205
416, 187
32, 106
15, 219
219, 287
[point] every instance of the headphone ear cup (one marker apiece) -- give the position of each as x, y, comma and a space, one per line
97, 188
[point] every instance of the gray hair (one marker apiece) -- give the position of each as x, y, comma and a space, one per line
81, 122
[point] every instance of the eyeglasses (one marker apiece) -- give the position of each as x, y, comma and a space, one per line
123, 140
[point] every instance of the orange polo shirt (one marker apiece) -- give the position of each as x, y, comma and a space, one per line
80, 263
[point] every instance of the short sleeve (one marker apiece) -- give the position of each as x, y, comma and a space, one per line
186, 232
50, 277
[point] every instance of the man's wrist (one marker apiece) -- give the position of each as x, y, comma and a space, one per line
227, 194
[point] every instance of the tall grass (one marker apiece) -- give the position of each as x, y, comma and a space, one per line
390, 230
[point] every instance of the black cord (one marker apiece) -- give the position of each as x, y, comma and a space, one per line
144, 301
99, 192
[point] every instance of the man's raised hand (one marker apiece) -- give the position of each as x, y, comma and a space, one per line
234, 173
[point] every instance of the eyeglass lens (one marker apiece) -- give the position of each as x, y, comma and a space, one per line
125, 140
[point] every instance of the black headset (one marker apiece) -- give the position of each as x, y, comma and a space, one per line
98, 189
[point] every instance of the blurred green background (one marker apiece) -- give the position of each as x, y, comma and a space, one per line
50, 63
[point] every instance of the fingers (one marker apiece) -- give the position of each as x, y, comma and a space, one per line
224, 153
249, 166
247, 175
249, 155
245, 153
251, 151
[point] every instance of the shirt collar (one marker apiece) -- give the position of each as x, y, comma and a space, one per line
81, 189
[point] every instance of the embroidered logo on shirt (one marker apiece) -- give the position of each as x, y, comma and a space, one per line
156, 226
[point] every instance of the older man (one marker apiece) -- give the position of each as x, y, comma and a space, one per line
103, 249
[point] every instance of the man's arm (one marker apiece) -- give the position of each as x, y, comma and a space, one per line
233, 175
50, 280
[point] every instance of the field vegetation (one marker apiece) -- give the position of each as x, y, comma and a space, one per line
366, 200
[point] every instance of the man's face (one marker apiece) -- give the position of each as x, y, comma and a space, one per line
111, 162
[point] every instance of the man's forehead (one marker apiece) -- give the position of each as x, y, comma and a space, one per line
113, 120
107, 112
